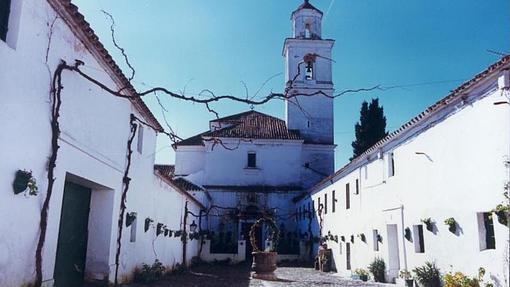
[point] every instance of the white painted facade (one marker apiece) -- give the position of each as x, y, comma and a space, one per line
95, 129
448, 162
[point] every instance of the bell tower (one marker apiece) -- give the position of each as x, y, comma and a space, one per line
309, 84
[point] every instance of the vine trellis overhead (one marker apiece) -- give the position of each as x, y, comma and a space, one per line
205, 97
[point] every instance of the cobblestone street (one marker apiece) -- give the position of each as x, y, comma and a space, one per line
239, 276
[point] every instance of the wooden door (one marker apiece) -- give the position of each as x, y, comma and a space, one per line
72, 236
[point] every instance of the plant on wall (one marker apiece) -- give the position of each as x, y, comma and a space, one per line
147, 224
362, 237
429, 224
379, 238
342, 238
452, 225
130, 218
352, 238
159, 228
23, 181
407, 233
502, 212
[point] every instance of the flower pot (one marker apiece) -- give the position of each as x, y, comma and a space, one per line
502, 217
452, 228
264, 265
429, 227
409, 282
363, 278
21, 180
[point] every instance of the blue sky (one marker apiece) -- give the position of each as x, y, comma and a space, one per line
426, 47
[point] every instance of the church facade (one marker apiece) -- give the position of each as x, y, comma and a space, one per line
255, 164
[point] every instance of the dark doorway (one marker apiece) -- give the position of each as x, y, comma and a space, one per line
72, 236
245, 231
348, 256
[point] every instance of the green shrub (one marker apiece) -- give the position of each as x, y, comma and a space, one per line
149, 274
428, 275
377, 268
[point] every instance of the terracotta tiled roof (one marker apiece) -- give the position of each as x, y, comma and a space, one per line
453, 97
182, 185
307, 5
246, 125
76, 21
165, 169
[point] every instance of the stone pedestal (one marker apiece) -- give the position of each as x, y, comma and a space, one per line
264, 265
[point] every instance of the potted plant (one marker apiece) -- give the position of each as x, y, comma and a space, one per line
377, 268
147, 224
362, 274
407, 233
362, 237
130, 218
24, 180
352, 238
428, 275
502, 211
264, 262
452, 225
429, 224
406, 275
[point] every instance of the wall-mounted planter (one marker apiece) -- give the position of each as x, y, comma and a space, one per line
130, 218
352, 238
147, 224
452, 224
159, 228
429, 224
502, 217
23, 181
342, 238
379, 238
362, 237
407, 233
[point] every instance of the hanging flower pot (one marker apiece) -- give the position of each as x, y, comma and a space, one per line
407, 233
428, 223
147, 224
362, 237
130, 218
502, 211
452, 225
159, 229
342, 238
352, 238
24, 180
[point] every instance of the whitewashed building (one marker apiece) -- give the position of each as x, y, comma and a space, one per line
254, 164
95, 128
450, 161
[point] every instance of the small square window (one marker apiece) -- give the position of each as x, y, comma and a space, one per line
391, 165
252, 160
357, 186
132, 235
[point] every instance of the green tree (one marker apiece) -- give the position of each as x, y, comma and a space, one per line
370, 129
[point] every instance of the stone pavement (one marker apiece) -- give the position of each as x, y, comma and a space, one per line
239, 276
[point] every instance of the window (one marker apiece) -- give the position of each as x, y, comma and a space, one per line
366, 171
325, 203
5, 10
486, 231
309, 70
139, 146
357, 186
419, 243
307, 31
375, 238
313, 208
391, 165
252, 160
333, 201
347, 197
132, 235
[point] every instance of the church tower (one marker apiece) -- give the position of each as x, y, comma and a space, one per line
308, 76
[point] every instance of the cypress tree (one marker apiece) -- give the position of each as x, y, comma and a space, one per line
370, 129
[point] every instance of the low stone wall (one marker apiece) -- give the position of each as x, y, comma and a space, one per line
240, 256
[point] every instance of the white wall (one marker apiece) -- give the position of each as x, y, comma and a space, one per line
455, 168
95, 128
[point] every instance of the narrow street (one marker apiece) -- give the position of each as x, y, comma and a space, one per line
239, 276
